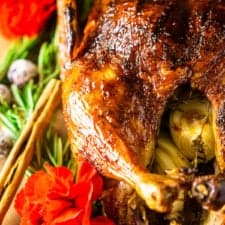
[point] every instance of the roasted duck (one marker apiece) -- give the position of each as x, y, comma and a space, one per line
119, 73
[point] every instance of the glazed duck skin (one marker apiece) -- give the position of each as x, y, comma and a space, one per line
118, 78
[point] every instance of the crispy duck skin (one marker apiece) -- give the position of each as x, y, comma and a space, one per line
119, 76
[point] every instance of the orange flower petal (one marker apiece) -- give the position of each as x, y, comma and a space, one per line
68, 215
54, 208
19, 202
88, 208
86, 172
82, 194
51, 197
62, 179
37, 186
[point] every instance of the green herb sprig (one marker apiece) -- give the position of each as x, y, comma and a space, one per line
53, 149
14, 117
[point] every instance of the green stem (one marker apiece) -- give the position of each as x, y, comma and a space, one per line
18, 96
8, 124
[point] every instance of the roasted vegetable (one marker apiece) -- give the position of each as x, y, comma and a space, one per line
168, 156
168, 160
191, 129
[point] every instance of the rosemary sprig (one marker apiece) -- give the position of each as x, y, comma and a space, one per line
14, 117
21, 155
53, 149
48, 66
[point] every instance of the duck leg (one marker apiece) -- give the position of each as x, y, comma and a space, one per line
93, 136
115, 91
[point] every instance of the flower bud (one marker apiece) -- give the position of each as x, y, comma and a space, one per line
21, 71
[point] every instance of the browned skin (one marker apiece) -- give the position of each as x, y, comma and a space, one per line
117, 80
207, 60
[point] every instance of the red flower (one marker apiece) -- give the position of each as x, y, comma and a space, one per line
30, 199
24, 17
52, 198
86, 172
